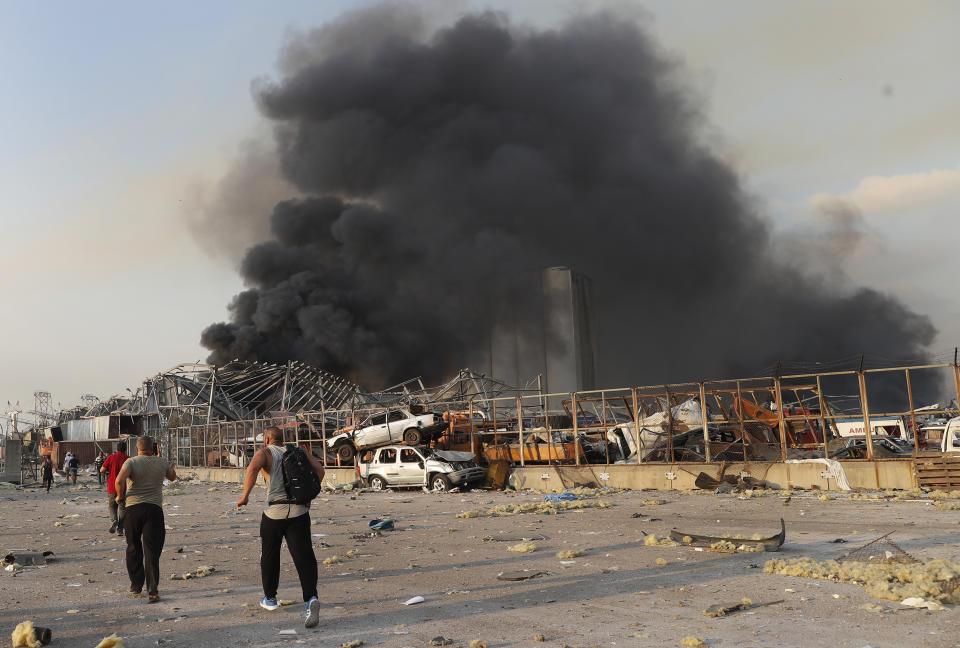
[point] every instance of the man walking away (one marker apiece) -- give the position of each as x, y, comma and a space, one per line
143, 515
70, 467
98, 464
111, 467
47, 468
283, 521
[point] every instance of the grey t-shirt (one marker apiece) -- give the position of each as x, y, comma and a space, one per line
145, 485
276, 491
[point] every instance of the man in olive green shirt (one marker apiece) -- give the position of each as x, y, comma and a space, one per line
139, 486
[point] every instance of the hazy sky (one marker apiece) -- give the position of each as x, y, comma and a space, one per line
116, 117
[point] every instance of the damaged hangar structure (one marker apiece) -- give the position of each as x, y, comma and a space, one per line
213, 417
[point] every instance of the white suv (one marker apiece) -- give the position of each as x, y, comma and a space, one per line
439, 470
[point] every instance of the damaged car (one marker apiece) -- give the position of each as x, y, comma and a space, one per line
400, 465
382, 428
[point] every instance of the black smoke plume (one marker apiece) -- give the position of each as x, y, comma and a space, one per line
433, 169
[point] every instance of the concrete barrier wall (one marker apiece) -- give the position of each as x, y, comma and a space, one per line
860, 474
333, 477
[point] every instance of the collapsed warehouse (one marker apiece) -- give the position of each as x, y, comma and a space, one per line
207, 417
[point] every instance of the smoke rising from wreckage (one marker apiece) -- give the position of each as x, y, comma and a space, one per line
429, 171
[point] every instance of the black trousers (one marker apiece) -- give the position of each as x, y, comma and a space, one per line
144, 527
297, 533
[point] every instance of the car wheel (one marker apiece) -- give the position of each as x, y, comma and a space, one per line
378, 483
440, 483
412, 436
345, 452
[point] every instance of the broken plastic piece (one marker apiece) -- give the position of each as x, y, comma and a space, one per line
414, 600
381, 525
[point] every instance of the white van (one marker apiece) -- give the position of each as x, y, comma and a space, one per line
879, 426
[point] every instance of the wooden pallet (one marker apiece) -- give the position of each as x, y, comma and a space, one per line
941, 472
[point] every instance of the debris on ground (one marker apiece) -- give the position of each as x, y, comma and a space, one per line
772, 543
539, 637
332, 560
199, 572
519, 575
113, 641
543, 508
414, 600
568, 555
561, 497
652, 540
440, 640
26, 634
381, 525
523, 547
356, 643
723, 609
290, 631
693, 642
919, 602
936, 579
477, 643
661, 562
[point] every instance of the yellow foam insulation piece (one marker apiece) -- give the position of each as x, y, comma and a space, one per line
939, 494
946, 506
23, 635
724, 545
477, 643
687, 539
113, 641
653, 541
332, 560
356, 643
826, 497
661, 562
933, 579
523, 547
693, 642
569, 555
546, 508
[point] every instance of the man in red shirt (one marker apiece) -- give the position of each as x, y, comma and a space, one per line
111, 466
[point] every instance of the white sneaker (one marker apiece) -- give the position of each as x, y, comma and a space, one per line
269, 603
313, 613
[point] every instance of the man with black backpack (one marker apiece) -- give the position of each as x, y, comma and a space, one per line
293, 479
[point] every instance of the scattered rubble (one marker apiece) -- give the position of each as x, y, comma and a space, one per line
200, 572
936, 579
573, 553
523, 547
544, 508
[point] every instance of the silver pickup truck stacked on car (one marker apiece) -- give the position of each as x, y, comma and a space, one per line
440, 470
382, 428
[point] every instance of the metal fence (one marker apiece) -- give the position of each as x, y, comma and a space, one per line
833, 415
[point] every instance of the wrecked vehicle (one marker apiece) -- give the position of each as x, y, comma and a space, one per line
382, 428
441, 470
